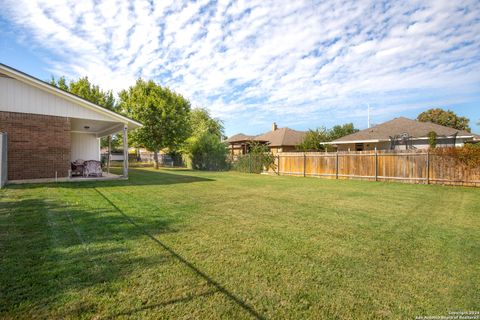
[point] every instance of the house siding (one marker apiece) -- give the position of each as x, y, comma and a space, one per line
39, 146
85, 146
415, 143
17, 96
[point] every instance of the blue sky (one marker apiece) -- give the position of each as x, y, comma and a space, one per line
302, 64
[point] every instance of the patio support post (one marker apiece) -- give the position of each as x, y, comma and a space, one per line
125, 152
109, 152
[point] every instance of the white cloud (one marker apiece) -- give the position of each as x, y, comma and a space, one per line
268, 58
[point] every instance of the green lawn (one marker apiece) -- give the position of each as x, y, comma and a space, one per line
183, 244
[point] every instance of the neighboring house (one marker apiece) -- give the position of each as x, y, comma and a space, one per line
239, 144
402, 133
48, 128
278, 140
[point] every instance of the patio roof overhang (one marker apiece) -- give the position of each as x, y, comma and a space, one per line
112, 120
98, 128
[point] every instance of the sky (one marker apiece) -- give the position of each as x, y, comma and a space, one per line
301, 64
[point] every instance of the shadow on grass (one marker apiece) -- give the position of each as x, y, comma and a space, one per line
231, 296
49, 250
163, 304
137, 177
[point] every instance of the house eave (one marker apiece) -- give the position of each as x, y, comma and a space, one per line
30, 80
387, 140
353, 141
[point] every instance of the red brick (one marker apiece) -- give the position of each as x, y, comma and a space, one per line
38, 145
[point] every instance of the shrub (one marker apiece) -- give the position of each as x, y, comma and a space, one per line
207, 152
256, 160
469, 155
432, 139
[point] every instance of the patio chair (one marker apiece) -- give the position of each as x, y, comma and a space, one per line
77, 167
92, 168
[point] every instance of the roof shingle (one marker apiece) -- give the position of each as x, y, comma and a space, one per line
282, 137
399, 126
240, 137
276, 138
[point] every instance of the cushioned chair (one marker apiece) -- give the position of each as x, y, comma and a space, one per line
92, 168
77, 167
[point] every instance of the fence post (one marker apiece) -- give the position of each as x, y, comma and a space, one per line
376, 164
304, 164
428, 166
250, 162
278, 166
336, 166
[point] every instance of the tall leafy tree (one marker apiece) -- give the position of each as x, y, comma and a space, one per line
339, 131
88, 91
207, 152
202, 122
60, 83
446, 118
313, 140
204, 147
163, 113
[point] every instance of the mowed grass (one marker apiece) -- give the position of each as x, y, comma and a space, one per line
184, 244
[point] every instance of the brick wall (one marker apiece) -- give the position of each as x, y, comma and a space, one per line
38, 145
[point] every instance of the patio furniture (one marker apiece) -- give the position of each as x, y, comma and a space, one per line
77, 167
92, 168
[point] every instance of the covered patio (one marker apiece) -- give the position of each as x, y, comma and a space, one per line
86, 138
53, 135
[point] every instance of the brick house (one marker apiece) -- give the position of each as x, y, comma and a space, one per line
48, 128
401, 134
277, 140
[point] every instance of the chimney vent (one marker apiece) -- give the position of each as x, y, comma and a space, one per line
274, 126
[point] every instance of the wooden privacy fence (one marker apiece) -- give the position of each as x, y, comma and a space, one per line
412, 167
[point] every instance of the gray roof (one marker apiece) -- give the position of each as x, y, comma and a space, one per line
240, 137
282, 137
276, 138
399, 126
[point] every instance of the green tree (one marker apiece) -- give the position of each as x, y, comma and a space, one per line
339, 131
313, 140
204, 148
60, 83
202, 122
445, 118
88, 91
432, 139
207, 152
163, 113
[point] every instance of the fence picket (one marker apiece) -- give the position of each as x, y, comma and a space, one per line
411, 166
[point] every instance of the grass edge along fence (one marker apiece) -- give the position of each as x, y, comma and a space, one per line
419, 166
